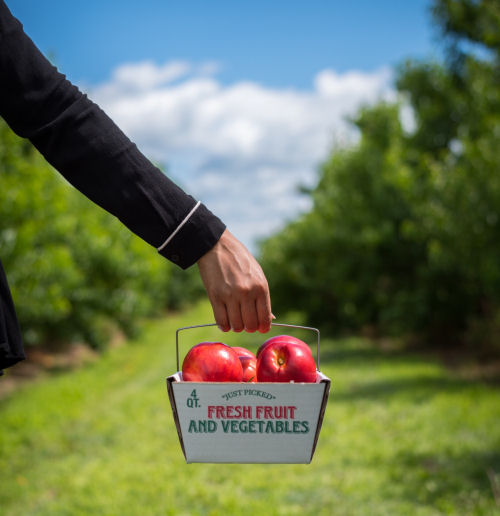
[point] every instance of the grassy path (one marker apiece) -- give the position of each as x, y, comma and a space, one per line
401, 436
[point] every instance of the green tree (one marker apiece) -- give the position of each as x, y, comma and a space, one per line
404, 235
75, 272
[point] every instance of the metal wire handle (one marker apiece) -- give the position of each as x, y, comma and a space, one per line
272, 324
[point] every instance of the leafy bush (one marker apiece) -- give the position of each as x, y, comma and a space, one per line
404, 233
74, 270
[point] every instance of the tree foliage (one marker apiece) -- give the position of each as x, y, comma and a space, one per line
75, 271
404, 233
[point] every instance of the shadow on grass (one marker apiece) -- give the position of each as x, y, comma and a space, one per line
415, 388
432, 479
360, 351
358, 355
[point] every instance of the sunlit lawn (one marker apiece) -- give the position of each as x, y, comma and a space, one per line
401, 436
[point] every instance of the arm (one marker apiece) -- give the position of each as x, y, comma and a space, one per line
94, 155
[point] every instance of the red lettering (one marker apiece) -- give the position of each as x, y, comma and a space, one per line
247, 412
274, 412
231, 411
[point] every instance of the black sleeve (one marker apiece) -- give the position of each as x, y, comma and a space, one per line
11, 344
92, 153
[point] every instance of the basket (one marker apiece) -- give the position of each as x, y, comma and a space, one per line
237, 422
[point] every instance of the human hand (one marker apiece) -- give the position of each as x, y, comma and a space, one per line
236, 286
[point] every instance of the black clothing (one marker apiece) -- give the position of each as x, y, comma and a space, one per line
11, 346
93, 154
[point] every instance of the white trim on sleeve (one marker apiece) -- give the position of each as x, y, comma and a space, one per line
178, 228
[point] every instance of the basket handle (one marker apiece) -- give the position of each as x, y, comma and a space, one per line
272, 324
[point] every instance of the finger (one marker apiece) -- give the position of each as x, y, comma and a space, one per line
220, 316
249, 315
263, 305
235, 319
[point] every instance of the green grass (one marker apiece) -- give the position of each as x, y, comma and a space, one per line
401, 436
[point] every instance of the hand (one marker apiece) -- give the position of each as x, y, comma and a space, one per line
236, 286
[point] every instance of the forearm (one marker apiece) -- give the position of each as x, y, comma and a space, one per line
93, 154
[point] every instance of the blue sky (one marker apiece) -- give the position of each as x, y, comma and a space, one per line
241, 101
279, 43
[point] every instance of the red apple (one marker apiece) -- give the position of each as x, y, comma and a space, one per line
212, 362
285, 361
284, 339
243, 352
249, 365
248, 362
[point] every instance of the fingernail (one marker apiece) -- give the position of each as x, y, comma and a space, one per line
273, 316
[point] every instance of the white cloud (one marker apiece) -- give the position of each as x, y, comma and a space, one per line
241, 148
145, 75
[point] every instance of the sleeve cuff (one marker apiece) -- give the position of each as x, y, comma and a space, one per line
193, 238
